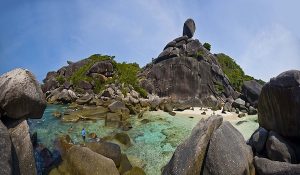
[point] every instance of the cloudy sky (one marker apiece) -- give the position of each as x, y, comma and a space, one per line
41, 35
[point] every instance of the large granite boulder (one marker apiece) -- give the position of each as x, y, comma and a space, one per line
103, 67
187, 80
228, 153
21, 95
251, 91
189, 155
189, 28
85, 161
107, 149
5, 151
278, 149
258, 140
265, 166
278, 107
22, 150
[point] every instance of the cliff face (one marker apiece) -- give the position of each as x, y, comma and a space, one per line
187, 72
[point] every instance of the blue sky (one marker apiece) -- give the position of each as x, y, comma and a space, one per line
261, 35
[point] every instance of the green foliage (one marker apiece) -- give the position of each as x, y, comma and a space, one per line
127, 74
219, 88
233, 71
80, 74
207, 46
60, 79
200, 54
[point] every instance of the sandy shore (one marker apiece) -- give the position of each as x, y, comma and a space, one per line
198, 112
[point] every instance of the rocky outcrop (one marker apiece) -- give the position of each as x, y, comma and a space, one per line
235, 158
21, 95
187, 72
279, 101
22, 150
20, 98
251, 91
189, 155
265, 166
5, 151
84, 161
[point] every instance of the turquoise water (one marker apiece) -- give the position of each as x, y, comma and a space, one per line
153, 142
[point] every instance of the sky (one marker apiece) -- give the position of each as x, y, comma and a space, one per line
262, 36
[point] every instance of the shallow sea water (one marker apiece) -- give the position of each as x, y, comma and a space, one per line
153, 143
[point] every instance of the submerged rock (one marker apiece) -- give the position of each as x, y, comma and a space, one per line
20, 95
189, 155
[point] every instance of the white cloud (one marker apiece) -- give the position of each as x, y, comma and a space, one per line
271, 51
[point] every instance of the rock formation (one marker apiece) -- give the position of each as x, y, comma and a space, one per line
279, 104
20, 98
214, 147
276, 143
187, 72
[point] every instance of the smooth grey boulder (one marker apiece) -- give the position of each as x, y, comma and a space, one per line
278, 106
265, 166
258, 140
116, 106
5, 151
20, 95
22, 150
228, 153
82, 160
189, 155
107, 149
238, 103
189, 28
251, 91
278, 149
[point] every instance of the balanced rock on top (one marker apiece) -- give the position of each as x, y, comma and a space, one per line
189, 28
21, 95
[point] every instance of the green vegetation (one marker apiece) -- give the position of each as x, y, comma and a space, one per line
207, 46
80, 74
125, 73
233, 71
200, 54
219, 88
60, 79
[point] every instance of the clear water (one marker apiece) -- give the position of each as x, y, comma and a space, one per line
153, 143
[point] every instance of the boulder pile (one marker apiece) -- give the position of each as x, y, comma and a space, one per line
276, 143
187, 72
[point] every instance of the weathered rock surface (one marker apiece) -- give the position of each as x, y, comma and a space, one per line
5, 151
189, 28
103, 67
258, 139
189, 155
22, 150
251, 90
84, 161
228, 153
278, 149
278, 107
107, 149
21, 95
265, 166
